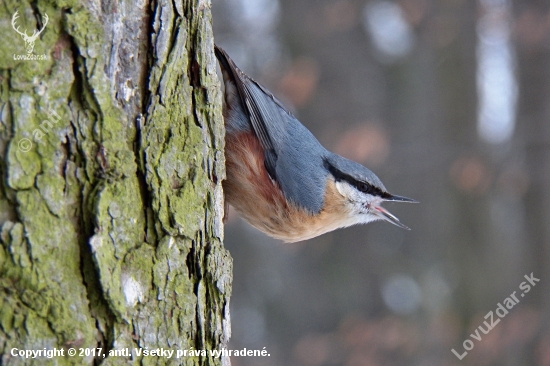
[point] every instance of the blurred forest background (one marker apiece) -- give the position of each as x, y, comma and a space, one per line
448, 102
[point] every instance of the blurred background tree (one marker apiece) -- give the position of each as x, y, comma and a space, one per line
447, 102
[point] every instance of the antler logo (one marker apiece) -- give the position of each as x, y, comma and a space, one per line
29, 40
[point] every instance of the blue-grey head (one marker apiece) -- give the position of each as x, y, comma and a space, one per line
362, 190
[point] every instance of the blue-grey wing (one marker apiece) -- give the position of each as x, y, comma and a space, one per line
296, 155
293, 156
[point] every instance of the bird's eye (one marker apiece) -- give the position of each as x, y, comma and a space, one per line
364, 187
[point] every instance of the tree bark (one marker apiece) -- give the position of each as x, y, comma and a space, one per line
110, 198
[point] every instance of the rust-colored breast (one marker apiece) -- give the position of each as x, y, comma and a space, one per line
260, 201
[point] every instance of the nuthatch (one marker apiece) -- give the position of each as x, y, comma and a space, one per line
280, 178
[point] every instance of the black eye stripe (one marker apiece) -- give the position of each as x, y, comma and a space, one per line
359, 185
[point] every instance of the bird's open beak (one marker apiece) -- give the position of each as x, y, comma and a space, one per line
387, 216
394, 198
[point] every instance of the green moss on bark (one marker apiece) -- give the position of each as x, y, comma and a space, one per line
112, 236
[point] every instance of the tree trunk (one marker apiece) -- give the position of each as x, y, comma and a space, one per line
111, 200
534, 131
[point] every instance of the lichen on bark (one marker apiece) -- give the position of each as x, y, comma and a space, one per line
111, 232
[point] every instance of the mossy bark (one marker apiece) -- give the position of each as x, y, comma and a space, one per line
110, 196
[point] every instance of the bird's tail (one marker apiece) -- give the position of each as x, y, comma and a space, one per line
226, 63
222, 57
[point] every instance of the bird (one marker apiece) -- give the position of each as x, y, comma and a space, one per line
279, 177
